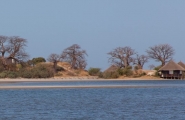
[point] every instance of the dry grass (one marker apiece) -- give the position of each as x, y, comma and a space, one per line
70, 72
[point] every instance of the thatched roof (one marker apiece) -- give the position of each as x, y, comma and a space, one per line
112, 68
182, 64
171, 66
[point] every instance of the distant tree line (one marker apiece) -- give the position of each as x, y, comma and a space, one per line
13, 57
125, 56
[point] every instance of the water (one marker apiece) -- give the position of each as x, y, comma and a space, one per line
139, 103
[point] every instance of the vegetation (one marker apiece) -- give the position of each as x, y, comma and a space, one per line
75, 56
115, 74
122, 56
12, 50
54, 58
38, 60
13, 61
39, 71
140, 60
161, 53
94, 71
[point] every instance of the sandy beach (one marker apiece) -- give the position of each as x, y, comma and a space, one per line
69, 79
60, 79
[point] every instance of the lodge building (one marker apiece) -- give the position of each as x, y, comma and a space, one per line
173, 70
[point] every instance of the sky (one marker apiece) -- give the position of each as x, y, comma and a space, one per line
98, 26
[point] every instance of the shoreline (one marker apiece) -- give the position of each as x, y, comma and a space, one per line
73, 79
82, 86
6, 83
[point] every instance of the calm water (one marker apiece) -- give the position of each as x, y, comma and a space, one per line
163, 102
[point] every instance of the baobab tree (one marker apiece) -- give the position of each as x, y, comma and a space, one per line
161, 53
3, 45
54, 58
122, 56
12, 48
75, 56
140, 60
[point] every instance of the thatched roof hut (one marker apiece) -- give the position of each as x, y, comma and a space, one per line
181, 64
112, 68
172, 70
172, 66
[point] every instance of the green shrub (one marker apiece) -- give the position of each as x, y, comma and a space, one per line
3, 74
109, 75
38, 60
43, 74
127, 72
157, 74
128, 67
39, 71
136, 67
157, 68
58, 69
114, 75
94, 71
42, 71
11, 74
120, 71
26, 74
100, 75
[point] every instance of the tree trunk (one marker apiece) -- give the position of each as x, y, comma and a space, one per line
163, 63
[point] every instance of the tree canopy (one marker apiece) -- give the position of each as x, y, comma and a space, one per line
122, 56
54, 58
161, 53
12, 48
38, 60
75, 56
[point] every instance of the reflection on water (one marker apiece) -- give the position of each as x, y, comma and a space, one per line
95, 104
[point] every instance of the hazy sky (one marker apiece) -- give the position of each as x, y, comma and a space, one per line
98, 26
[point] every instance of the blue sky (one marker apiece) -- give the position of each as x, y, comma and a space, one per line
98, 26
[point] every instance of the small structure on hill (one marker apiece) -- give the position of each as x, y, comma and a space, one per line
172, 70
111, 69
181, 64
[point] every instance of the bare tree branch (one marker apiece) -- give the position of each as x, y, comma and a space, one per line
140, 60
12, 48
3, 46
122, 56
54, 58
161, 53
75, 56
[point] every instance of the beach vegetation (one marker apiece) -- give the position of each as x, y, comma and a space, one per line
38, 60
117, 73
12, 74
3, 74
94, 71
